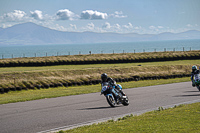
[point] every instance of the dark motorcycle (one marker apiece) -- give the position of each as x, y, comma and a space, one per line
114, 96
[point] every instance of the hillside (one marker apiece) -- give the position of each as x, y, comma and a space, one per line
30, 33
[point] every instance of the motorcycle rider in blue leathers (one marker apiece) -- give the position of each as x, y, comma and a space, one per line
194, 75
112, 83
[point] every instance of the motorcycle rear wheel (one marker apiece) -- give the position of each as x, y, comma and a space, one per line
111, 100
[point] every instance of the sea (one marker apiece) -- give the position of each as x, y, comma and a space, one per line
24, 51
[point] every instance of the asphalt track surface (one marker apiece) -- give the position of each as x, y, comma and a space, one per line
48, 115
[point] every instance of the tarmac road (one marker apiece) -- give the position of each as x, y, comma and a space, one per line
67, 112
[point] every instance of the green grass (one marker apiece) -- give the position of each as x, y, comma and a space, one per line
96, 66
27, 95
17, 76
179, 119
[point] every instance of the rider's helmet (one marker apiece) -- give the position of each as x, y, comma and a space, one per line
119, 86
194, 68
104, 77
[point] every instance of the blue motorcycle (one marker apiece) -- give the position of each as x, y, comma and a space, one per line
114, 94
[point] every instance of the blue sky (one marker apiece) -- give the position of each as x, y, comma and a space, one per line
127, 16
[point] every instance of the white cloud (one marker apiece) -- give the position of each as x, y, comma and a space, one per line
5, 25
73, 26
152, 27
156, 29
128, 26
118, 14
160, 27
37, 14
65, 14
106, 25
90, 14
139, 30
90, 26
17, 15
117, 26
60, 28
137, 27
189, 25
51, 25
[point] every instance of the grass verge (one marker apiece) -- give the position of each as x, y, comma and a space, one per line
27, 95
100, 58
28, 77
180, 119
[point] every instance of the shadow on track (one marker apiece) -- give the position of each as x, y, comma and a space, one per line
191, 91
108, 107
192, 95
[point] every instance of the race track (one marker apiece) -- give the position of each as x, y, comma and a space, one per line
60, 113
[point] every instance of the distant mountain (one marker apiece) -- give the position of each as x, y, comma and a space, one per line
30, 33
192, 34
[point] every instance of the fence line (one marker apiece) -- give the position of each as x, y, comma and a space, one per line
89, 52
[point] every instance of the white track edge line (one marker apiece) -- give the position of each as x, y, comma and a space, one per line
111, 118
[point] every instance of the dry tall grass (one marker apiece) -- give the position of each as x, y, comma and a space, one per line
69, 75
21, 76
100, 57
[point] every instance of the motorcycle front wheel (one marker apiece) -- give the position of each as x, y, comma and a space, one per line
125, 101
198, 87
111, 100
